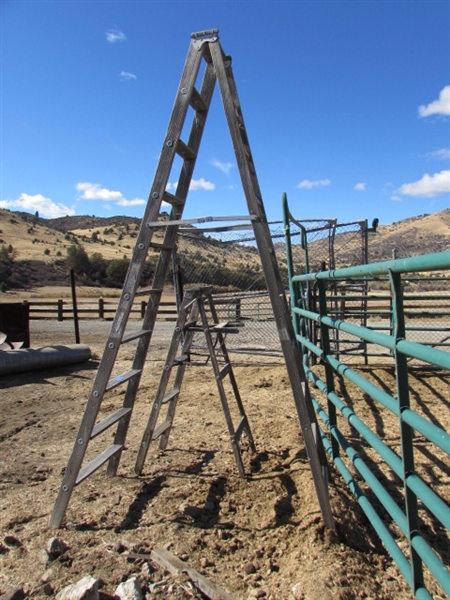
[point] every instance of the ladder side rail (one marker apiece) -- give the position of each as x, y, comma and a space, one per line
189, 334
264, 241
170, 236
162, 387
151, 213
131, 283
222, 394
224, 351
164, 438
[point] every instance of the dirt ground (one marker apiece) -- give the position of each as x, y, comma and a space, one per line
256, 537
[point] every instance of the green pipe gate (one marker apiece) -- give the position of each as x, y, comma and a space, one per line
406, 505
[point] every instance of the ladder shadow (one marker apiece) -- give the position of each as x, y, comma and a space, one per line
148, 491
284, 508
197, 467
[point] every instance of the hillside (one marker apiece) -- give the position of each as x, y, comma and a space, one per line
38, 247
416, 235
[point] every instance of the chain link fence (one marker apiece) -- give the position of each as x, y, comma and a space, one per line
227, 258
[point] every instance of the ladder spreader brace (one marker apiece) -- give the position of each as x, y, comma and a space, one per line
204, 49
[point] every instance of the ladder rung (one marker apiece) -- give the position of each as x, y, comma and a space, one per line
193, 327
97, 462
173, 200
183, 358
224, 328
225, 371
161, 246
136, 335
115, 381
184, 151
239, 429
148, 291
220, 325
161, 429
197, 102
109, 420
170, 395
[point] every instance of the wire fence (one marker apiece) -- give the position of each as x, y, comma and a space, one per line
227, 258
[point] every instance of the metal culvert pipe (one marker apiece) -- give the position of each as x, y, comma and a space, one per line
36, 359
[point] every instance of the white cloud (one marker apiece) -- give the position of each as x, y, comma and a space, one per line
441, 106
224, 167
360, 187
201, 184
308, 184
441, 154
427, 187
196, 184
115, 35
126, 76
135, 202
38, 202
94, 191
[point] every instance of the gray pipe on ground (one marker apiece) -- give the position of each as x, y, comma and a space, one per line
36, 359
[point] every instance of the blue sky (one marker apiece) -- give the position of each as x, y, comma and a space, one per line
346, 104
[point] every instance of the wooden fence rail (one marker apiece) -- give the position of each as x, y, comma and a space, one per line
91, 309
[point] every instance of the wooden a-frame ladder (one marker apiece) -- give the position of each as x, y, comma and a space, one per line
204, 49
197, 314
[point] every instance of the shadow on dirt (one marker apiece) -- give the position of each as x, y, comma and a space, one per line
45, 376
148, 491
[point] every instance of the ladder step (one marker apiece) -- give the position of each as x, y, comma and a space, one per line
184, 151
214, 328
170, 395
160, 246
136, 335
197, 102
193, 327
161, 429
115, 381
109, 420
173, 200
148, 291
225, 328
225, 371
220, 325
97, 462
180, 360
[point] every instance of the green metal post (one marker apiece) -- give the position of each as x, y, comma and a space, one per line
406, 431
329, 378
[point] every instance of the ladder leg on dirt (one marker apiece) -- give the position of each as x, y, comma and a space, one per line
291, 351
192, 309
204, 48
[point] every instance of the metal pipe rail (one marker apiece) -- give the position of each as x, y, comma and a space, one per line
367, 460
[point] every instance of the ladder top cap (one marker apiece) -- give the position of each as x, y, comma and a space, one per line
201, 37
206, 33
